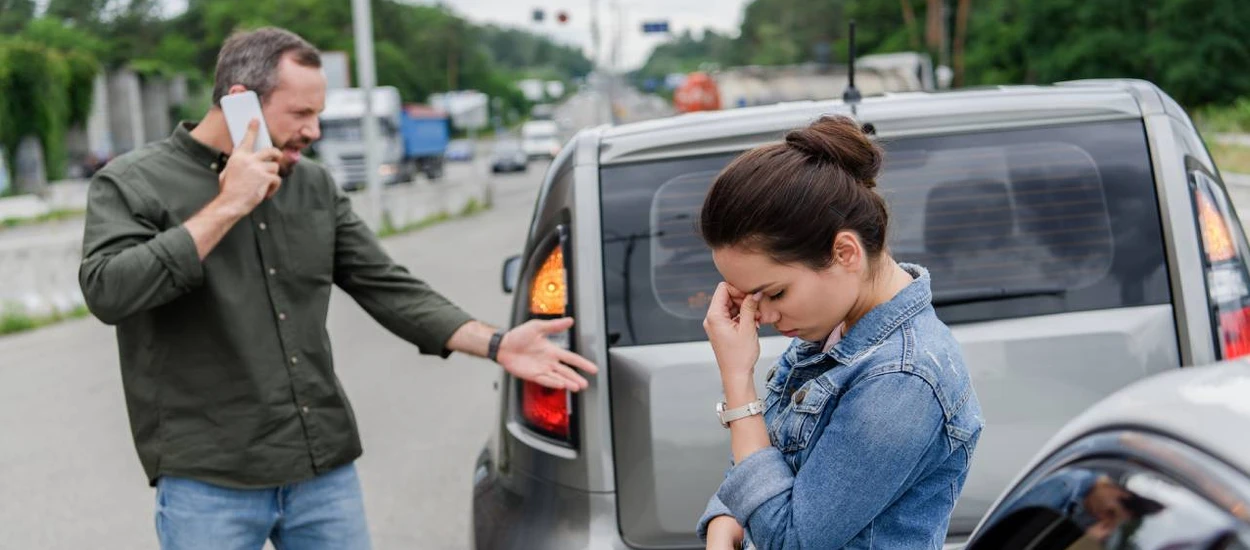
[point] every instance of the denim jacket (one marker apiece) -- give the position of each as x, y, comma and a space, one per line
871, 441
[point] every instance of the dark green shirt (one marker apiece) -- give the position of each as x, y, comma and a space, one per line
226, 363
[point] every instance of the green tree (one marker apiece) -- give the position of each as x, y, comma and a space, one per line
34, 85
14, 15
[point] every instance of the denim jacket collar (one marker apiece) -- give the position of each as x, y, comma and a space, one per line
882, 320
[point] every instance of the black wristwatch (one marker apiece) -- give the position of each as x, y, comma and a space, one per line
492, 351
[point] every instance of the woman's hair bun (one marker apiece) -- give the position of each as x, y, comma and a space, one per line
840, 141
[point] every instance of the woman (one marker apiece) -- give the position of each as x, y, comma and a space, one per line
870, 419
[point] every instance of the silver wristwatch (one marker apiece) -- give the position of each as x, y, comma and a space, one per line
738, 413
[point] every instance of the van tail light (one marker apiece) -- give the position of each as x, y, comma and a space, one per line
549, 289
1223, 254
544, 410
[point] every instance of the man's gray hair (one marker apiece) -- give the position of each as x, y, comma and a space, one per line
251, 58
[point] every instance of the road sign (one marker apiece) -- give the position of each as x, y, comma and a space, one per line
650, 27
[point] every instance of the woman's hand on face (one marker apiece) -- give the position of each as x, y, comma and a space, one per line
734, 331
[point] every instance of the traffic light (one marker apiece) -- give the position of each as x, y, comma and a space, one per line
539, 15
562, 17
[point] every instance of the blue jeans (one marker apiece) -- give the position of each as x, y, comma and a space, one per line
326, 512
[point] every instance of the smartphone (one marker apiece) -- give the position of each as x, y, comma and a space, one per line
240, 109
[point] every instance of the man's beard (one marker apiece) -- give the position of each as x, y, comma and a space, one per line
284, 167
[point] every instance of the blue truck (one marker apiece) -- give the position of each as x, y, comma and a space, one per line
426, 132
411, 138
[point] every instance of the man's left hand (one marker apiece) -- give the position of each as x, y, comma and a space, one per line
527, 353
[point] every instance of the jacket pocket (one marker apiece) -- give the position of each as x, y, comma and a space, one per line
808, 406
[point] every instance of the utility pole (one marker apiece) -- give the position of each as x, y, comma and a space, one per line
594, 34
362, 29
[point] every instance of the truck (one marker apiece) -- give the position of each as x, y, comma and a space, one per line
411, 138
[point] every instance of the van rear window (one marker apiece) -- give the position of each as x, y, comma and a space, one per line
1011, 224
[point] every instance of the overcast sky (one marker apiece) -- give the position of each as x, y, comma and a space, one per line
696, 15
721, 15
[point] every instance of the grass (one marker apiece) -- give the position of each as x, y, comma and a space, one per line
388, 228
1231, 158
52, 216
15, 319
1234, 118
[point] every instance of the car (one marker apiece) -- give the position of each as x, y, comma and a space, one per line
460, 150
1079, 237
508, 156
541, 138
1159, 464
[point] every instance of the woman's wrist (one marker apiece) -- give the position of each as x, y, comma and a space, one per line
726, 527
739, 390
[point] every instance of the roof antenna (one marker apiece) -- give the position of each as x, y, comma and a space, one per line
851, 95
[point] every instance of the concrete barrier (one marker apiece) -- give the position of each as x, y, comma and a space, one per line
40, 278
61, 195
407, 204
39, 263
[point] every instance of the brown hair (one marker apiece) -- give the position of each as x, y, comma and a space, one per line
790, 199
251, 58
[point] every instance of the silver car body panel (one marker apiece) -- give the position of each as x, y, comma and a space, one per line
646, 431
894, 115
1031, 374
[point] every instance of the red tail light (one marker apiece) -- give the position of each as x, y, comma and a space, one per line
1235, 333
544, 410
1223, 248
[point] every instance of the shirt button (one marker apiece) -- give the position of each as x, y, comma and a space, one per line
304, 409
294, 360
281, 316
273, 271
263, 226
798, 397
213, 166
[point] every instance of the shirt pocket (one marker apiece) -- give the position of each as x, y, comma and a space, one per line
799, 421
309, 246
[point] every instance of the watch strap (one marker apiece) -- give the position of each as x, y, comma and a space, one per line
492, 350
738, 413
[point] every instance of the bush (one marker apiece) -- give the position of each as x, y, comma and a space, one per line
1225, 118
42, 92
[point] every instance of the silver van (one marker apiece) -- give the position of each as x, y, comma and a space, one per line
1079, 237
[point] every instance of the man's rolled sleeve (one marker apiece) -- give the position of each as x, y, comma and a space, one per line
176, 250
442, 324
130, 262
754, 481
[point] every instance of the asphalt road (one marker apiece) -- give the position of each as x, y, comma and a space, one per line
69, 475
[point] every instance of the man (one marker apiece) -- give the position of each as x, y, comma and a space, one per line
216, 265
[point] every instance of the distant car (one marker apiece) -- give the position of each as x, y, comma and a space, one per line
1157, 465
459, 150
541, 139
508, 156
